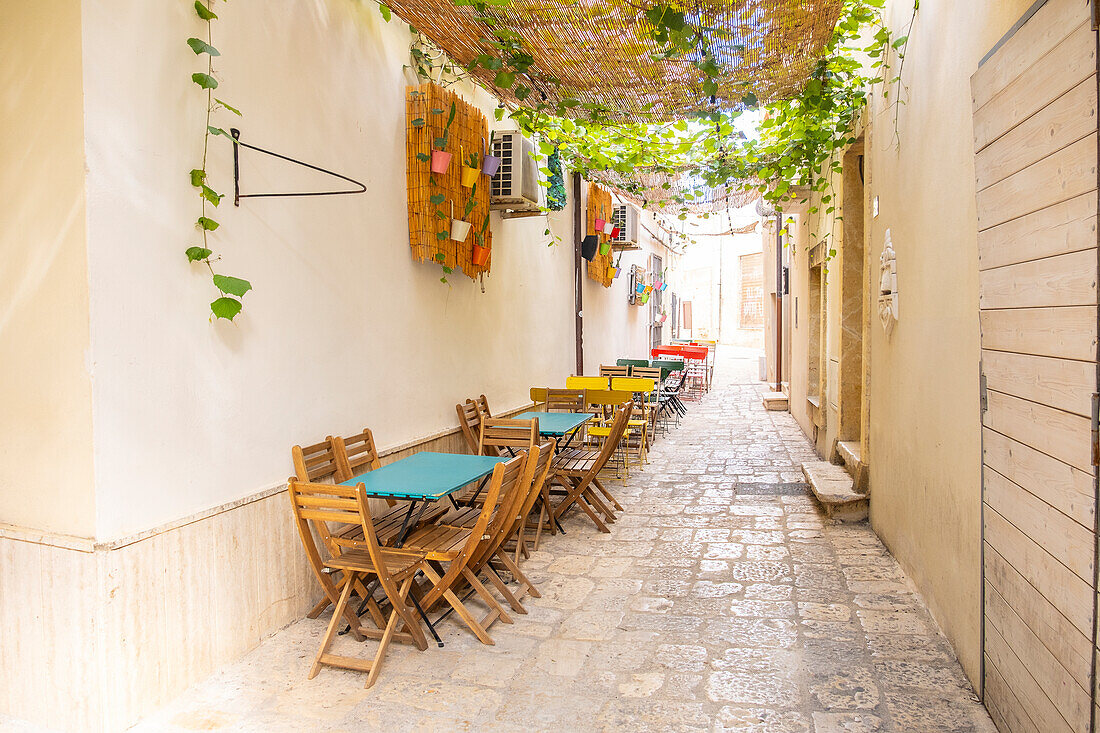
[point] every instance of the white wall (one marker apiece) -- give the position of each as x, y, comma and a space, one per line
343, 329
45, 392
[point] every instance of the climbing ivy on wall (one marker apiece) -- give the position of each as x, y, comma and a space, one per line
230, 289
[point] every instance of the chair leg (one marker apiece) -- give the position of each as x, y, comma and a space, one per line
499, 584
607, 494
333, 624
463, 612
495, 609
391, 626
526, 586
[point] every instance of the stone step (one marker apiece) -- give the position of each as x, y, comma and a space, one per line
775, 401
833, 487
849, 453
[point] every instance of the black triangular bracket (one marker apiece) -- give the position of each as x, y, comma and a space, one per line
237, 195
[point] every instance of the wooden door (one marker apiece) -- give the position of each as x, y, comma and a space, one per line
1035, 141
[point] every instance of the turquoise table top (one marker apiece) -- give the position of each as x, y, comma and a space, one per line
556, 423
425, 476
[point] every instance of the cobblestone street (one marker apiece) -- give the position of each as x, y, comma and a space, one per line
721, 600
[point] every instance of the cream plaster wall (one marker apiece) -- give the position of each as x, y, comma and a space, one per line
925, 441
46, 423
343, 329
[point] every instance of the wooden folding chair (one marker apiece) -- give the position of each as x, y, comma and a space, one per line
614, 371
469, 420
564, 400
581, 382
482, 403
578, 471
640, 428
497, 437
322, 504
457, 546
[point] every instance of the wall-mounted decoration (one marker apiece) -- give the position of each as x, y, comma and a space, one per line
637, 285
888, 287
599, 220
446, 137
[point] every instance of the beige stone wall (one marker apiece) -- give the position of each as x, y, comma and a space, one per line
924, 429
45, 387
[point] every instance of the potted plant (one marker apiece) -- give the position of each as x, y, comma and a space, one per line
618, 268
599, 223
490, 163
481, 251
612, 272
605, 247
441, 159
640, 288
460, 229
644, 299
470, 170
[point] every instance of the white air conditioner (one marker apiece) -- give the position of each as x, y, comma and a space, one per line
626, 218
516, 185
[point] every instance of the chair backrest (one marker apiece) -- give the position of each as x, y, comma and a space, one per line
634, 385
356, 454
316, 463
469, 420
568, 400
506, 475
614, 371
632, 362
538, 395
483, 404
667, 366
653, 373
498, 435
618, 427
695, 353
576, 382
320, 505
605, 397
513, 499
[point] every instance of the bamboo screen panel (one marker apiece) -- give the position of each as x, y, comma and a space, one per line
469, 133
599, 206
603, 53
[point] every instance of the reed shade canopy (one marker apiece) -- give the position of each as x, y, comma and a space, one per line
603, 55
670, 192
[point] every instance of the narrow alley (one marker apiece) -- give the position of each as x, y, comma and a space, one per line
721, 600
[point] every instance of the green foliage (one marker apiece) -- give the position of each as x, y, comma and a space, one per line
228, 304
555, 195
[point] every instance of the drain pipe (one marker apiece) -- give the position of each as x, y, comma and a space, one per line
578, 273
778, 300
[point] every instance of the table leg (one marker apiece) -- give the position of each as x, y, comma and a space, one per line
405, 526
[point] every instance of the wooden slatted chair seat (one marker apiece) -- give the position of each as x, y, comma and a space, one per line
438, 542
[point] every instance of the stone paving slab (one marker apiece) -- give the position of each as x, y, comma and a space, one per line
723, 600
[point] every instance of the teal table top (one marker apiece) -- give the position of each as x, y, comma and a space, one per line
556, 423
425, 476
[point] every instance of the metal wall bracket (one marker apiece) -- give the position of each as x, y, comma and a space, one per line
237, 195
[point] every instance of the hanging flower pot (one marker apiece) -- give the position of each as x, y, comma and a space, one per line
459, 230
490, 165
469, 176
664, 286
589, 245
644, 299
605, 247
657, 285
480, 255
441, 161
599, 225
618, 271
640, 288
612, 272
615, 233
648, 289
608, 227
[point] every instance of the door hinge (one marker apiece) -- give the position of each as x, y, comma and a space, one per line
1096, 429
983, 393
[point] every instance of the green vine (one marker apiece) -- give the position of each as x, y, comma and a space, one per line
231, 289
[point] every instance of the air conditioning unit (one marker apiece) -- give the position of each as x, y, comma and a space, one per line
516, 185
626, 218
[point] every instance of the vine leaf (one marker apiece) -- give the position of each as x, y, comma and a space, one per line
198, 175
207, 223
232, 285
200, 46
204, 12
424, 157
436, 199
204, 80
194, 254
385, 11
211, 195
226, 308
228, 106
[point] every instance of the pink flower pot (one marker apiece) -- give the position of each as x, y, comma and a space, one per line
599, 225
441, 161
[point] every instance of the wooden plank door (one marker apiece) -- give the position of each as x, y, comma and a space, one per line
1035, 142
